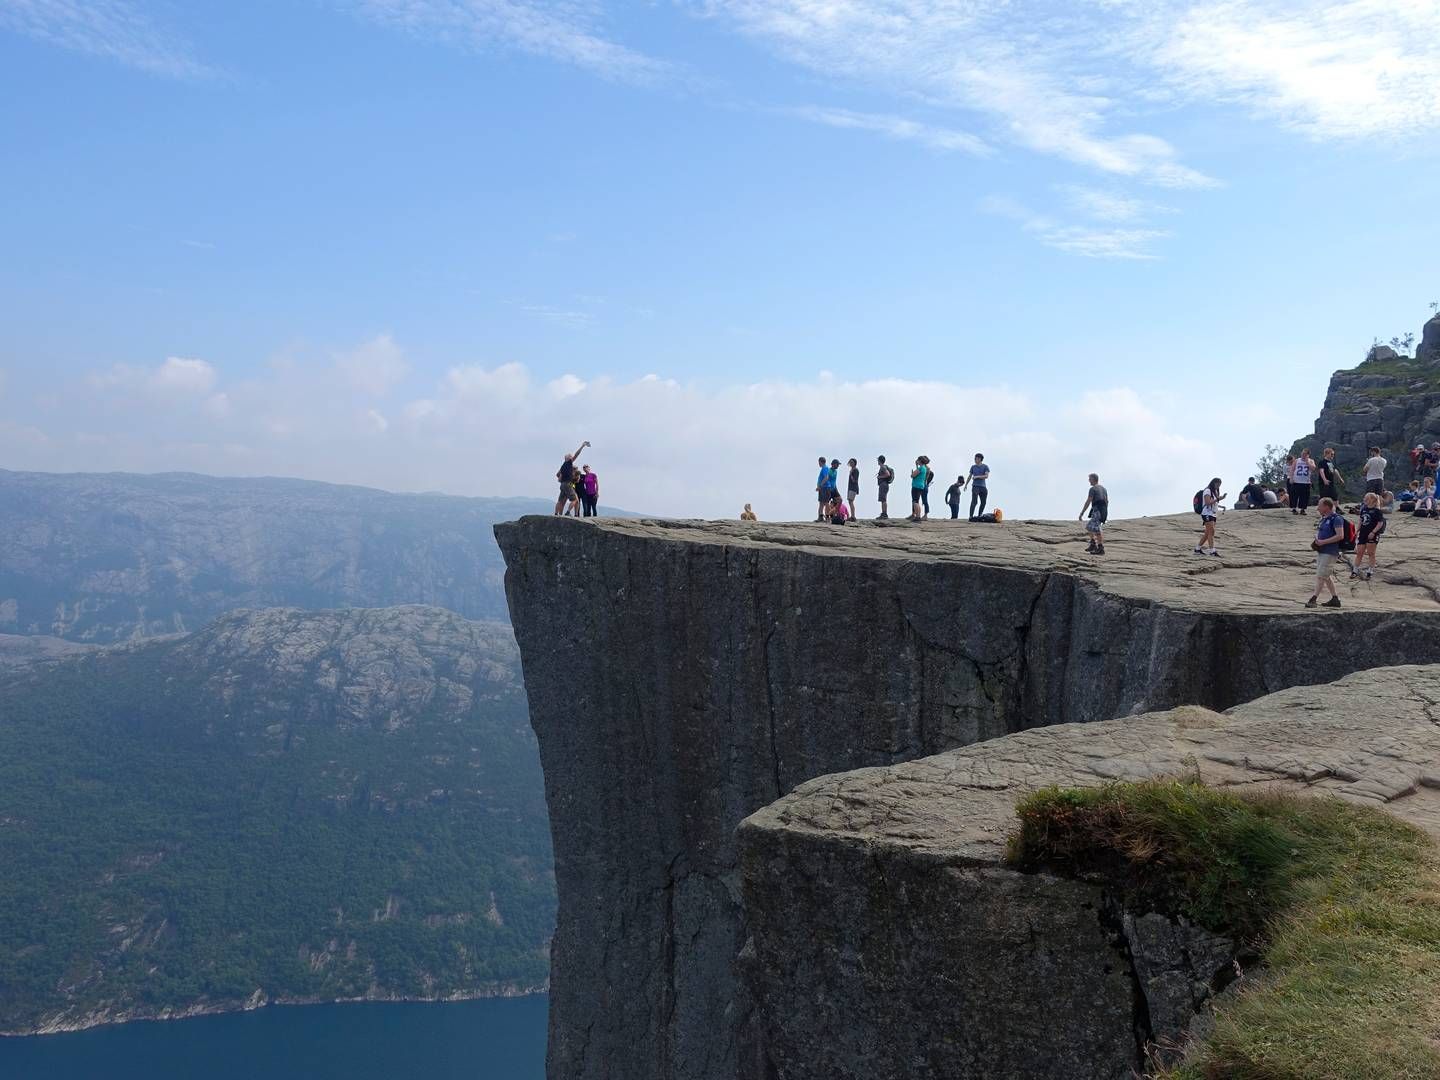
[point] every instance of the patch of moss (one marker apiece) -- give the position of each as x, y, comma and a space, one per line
1342, 901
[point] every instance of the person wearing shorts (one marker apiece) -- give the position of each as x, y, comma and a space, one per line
1367, 537
884, 476
1375, 472
566, 476
822, 490
1097, 506
1329, 532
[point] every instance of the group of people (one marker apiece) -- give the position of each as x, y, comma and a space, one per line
832, 508
579, 487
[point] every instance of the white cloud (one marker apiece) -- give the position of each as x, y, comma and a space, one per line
894, 127
114, 29
1105, 205
569, 31
1095, 242
179, 375
374, 367
218, 405
661, 444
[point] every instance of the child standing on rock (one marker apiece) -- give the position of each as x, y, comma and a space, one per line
1328, 535
1210, 499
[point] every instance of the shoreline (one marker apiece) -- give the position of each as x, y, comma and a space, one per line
67, 1025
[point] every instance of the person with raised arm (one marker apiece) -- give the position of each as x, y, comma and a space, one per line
566, 476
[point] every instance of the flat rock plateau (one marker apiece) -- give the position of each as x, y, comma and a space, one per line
684, 675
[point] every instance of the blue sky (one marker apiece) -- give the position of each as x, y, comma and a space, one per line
431, 244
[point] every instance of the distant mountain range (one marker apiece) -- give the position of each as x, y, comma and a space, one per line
114, 557
286, 805
260, 740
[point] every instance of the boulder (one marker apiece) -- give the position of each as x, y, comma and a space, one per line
1429, 350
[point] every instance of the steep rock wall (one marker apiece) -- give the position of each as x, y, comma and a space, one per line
681, 676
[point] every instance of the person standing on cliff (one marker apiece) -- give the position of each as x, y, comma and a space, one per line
1330, 479
1300, 477
589, 490
952, 497
1329, 532
884, 477
1375, 471
1097, 507
1210, 502
919, 478
566, 476
852, 485
822, 489
979, 486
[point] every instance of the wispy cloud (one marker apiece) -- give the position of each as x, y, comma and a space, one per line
1090, 241
894, 127
114, 29
574, 319
570, 31
1107, 205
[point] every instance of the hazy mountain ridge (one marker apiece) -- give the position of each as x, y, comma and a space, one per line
285, 805
117, 556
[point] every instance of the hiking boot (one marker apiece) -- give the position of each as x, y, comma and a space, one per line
1099, 549
1334, 601
1314, 601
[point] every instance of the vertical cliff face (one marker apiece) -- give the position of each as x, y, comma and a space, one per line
681, 677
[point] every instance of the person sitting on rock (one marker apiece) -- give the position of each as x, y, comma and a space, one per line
1329, 532
1425, 504
1252, 496
747, 514
839, 512
1387, 501
1282, 496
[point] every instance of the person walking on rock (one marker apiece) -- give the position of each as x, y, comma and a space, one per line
1330, 479
1375, 471
884, 477
822, 489
1367, 538
952, 497
1210, 502
852, 487
566, 476
589, 489
979, 486
1329, 532
1304, 471
1095, 513
919, 477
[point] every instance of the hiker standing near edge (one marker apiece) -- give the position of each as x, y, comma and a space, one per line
1303, 472
952, 497
1375, 472
1210, 500
852, 486
884, 477
822, 486
1097, 506
979, 486
929, 479
566, 476
919, 477
589, 489
1330, 479
1329, 532
1372, 524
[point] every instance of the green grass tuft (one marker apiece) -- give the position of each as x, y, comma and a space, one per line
1342, 901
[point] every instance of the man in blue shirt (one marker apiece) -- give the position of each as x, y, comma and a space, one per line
979, 486
1328, 536
822, 488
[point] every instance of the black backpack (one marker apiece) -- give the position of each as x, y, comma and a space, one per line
1199, 502
1347, 535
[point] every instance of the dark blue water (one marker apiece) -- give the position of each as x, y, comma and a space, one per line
501, 1039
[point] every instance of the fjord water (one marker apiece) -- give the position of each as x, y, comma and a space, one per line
489, 1039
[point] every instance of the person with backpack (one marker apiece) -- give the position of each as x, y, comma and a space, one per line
852, 486
566, 476
589, 489
1331, 532
1331, 480
952, 497
1097, 506
1301, 474
919, 479
1372, 524
979, 486
1207, 503
884, 477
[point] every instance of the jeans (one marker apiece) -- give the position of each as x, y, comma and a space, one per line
955, 509
588, 504
978, 494
925, 500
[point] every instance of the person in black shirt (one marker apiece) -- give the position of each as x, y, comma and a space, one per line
852, 487
566, 476
1254, 495
1367, 537
1330, 478
952, 497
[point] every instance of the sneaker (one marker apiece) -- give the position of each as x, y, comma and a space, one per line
1334, 601
1100, 549
1199, 550
1214, 551
1314, 601
1369, 574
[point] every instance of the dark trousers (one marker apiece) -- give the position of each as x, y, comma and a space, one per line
925, 499
1377, 486
1299, 496
977, 495
955, 509
588, 504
